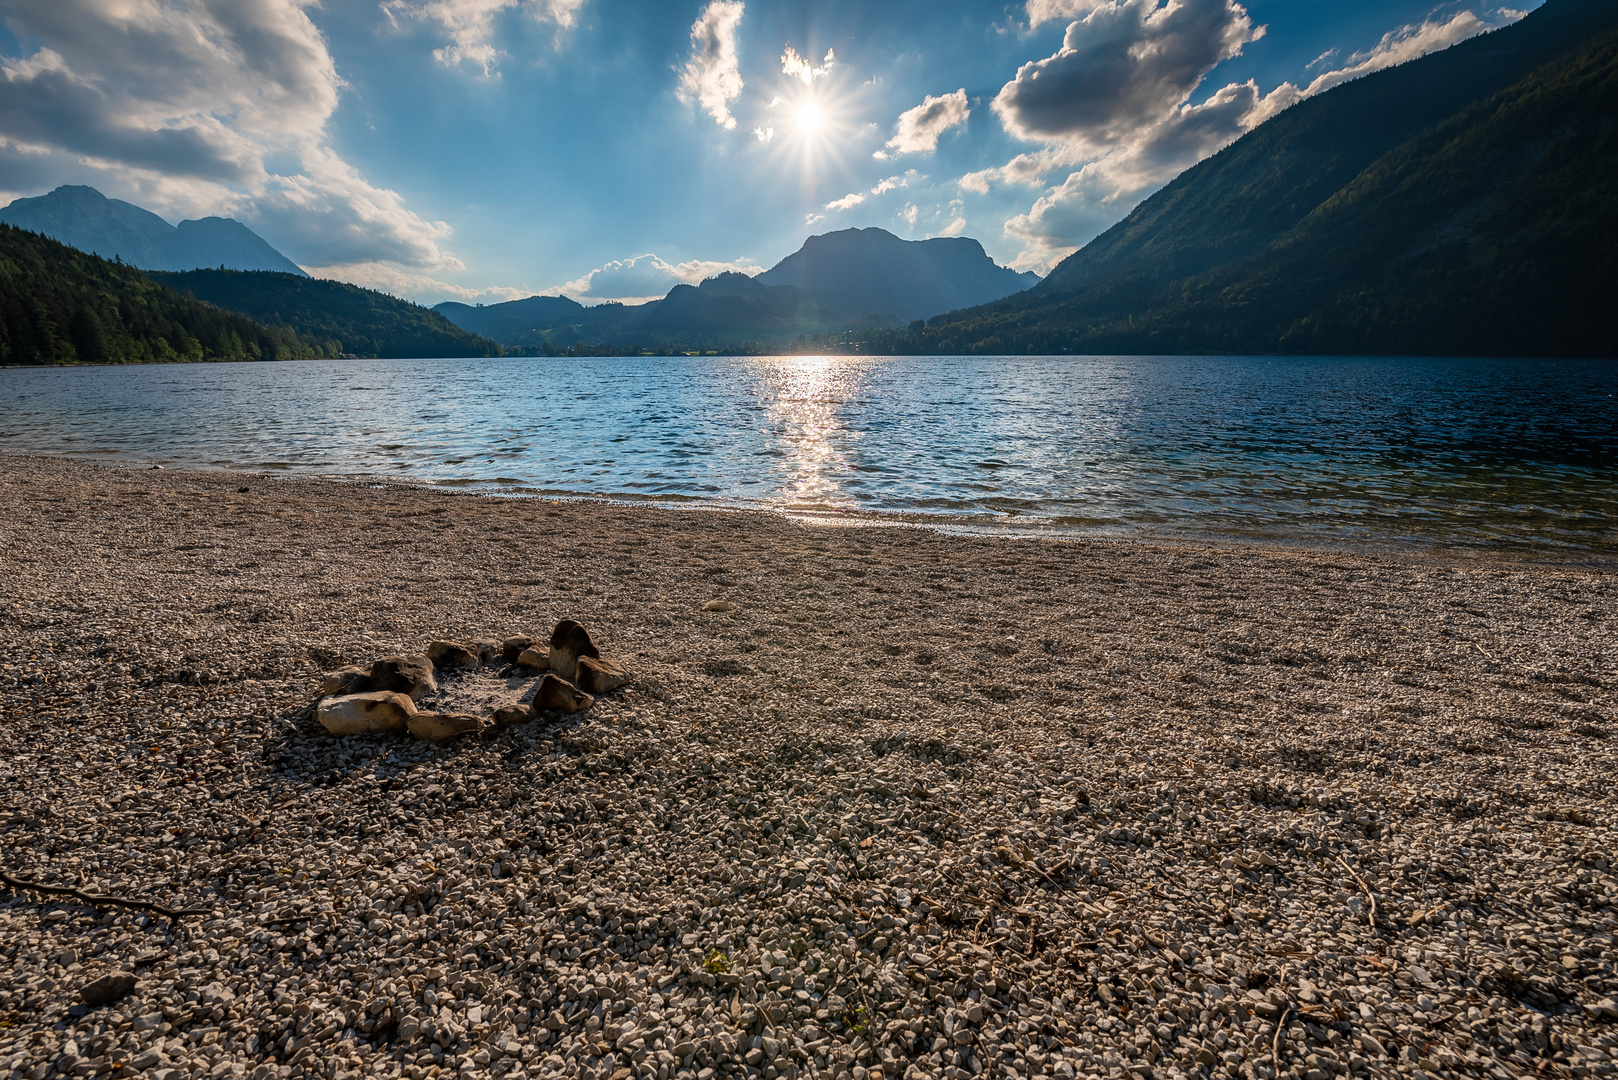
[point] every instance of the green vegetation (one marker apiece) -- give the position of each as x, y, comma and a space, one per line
61, 306
717, 962
361, 321
1483, 231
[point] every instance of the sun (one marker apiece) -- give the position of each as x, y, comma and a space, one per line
810, 118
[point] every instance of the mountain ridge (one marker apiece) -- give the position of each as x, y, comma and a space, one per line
848, 278
1462, 235
83, 218
363, 321
59, 305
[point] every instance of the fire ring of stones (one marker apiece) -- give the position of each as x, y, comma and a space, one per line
455, 690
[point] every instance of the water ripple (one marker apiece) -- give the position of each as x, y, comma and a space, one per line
1485, 454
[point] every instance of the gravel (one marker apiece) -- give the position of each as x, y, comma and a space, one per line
878, 803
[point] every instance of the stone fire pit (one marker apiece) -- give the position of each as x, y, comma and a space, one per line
464, 688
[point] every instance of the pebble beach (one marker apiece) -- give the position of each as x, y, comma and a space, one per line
877, 803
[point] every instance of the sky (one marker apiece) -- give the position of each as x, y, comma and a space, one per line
486, 150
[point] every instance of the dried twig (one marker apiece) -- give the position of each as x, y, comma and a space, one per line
1275, 1047
1368, 894
91, 898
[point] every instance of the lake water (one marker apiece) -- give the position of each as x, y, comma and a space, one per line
1517, 457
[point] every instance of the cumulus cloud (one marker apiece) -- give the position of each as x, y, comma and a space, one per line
469, 24
847, 202
910, 214
1044, 11
796, 67
764, 134
712, 76
920, 127
1108, 144
1124, 65
648, 277
197, 107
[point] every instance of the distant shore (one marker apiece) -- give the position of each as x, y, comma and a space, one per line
909, 801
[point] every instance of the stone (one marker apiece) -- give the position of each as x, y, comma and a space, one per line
447, 655
488, 650
569, 641
348, 680
720, 606
365, 714
513, 647
511, 714
558, 695
444, 727
537, 657
107, 989
600, 676
411, 675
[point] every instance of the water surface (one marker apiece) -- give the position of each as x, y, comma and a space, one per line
1516, 457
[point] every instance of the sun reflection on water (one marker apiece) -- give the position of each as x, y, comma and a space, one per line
803, 398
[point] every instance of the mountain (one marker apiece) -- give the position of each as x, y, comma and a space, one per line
513, 318
853, 278
1463, 203
863, 272
63, 306
365, 322
84, 218
731, 304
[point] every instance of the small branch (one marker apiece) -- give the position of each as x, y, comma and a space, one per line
101, 901
1275, 1047
1368, 894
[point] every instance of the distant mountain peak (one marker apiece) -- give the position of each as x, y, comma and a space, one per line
84, 218
870, 271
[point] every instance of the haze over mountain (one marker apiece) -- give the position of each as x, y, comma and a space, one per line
863, 272
83, 218
510, 320
855, 277
1463, 203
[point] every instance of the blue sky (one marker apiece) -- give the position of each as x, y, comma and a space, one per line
489, 149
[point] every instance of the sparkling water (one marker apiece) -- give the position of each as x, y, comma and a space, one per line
1513, 456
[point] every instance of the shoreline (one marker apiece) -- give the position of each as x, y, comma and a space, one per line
1412, 550
919, 805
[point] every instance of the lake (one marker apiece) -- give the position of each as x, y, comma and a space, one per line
1509, 456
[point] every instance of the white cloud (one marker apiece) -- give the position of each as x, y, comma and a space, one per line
1112, 145
1125, 64
713, 73
1401, 45
954, 228
469, 24
893, 183
847, 202
1044, 11
920, 127
910, 214
197, 107
811, 220
648, 277
764, 134
797, 67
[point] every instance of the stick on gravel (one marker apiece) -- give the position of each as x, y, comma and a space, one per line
101, 901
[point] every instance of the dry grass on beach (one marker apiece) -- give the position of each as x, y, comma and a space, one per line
921, 805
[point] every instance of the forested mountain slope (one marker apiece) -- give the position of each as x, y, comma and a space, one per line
59, 305
366, 322
1464, 203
